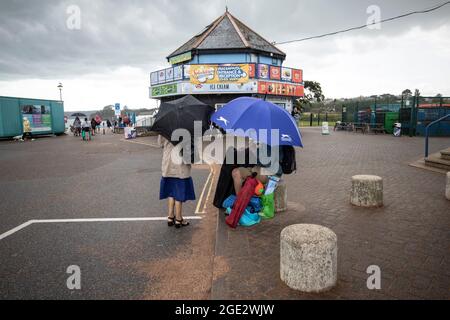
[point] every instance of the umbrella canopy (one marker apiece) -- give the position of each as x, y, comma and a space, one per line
98, 119
255, 114
181, 114
78, 114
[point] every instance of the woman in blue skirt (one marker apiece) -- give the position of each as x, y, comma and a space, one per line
176, 184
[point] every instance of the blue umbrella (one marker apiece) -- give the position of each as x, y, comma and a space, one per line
255, 114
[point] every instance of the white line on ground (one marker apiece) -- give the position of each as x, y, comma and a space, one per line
200, 200
143, 143
16, 229
28, 223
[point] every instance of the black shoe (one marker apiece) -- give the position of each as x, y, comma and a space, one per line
181, 223
171, 221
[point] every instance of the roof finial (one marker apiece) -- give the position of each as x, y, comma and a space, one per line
226, 9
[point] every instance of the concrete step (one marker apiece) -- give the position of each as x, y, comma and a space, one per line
437, 162
445, 154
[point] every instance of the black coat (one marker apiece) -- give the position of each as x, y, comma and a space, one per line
225, 185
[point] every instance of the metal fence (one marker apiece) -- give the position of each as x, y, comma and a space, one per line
311, 119
414, 113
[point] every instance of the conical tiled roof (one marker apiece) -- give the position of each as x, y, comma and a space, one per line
227, 32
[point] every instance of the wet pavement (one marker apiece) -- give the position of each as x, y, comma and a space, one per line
408, 238
65, 178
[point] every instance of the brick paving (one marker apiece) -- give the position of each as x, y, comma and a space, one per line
408, 238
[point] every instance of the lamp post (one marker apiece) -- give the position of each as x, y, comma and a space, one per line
60, 87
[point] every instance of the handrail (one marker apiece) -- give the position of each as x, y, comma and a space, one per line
427, 132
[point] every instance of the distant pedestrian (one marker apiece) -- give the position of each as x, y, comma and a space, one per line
86, 130
115, 126
77, 126
103, 127
93, 126
109, 125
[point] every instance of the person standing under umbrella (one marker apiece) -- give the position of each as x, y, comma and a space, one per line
176, 183
184, 114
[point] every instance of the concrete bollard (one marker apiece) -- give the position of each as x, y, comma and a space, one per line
367, 191
308, 258
447, 188
280, 197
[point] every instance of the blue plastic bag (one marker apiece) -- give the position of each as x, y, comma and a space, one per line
255, 204
248, 219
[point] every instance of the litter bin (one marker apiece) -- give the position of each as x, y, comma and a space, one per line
397, 129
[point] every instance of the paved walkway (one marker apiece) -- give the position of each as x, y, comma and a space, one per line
408, 239
64, 178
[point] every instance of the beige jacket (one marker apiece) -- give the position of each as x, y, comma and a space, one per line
172, 165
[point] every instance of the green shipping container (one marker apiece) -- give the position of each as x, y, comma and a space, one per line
45, 116
390, 119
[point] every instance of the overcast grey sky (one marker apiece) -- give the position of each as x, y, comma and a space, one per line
120, 42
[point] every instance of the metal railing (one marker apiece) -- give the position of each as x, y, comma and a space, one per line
427, 130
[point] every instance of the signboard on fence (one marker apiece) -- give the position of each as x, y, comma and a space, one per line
117, 110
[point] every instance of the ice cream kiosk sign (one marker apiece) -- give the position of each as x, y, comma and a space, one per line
213, 74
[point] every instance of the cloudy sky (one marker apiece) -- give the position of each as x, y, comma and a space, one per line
120, 42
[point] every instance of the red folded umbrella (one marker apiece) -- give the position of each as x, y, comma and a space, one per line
242, 201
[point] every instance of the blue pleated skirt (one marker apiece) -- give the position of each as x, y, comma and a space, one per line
181, 190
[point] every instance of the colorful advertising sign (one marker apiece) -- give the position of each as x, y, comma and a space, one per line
187, 70
252, 70
263, 71
275, 73
154, 78
297, 76
39, 118
249, 87
178, 73
280, 89
286, 74
227, 73
169, 75
181, 58
161, 76
164, 90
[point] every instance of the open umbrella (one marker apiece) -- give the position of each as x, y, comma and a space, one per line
181, 114
79, 115
255, 114
98, 119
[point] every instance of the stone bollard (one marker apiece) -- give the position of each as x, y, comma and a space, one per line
447, 188
367, 191
308, 258
280, 197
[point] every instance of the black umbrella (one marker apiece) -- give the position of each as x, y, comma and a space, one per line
181, 114
79, 114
